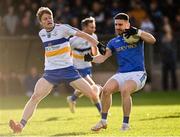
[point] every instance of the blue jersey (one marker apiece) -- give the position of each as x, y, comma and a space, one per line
130, 57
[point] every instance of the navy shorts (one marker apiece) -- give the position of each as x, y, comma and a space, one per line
84, 72
58, 76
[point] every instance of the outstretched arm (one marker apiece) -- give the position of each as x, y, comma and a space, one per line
93, 41
147, 37
98, 58
87, 37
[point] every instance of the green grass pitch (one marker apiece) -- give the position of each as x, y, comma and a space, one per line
153, 114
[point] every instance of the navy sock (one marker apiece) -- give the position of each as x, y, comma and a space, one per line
74, 97
126, 119
104, 116
23, 122
98, 105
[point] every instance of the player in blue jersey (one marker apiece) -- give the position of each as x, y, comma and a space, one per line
131, 73
58, 64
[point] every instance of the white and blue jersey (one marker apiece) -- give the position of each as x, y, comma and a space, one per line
80, 47
58, 59
130, 57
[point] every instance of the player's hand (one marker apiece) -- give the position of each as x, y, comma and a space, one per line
88, 57
130, 31
101, 48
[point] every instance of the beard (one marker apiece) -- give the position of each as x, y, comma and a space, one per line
119, 32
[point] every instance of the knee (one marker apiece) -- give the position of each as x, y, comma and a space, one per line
106, 92
124, 93
35, 97
96, 89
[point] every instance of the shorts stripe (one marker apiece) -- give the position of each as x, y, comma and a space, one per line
143, 77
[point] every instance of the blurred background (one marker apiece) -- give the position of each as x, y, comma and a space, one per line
22, 55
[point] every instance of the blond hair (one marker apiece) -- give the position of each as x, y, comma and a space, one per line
43, 10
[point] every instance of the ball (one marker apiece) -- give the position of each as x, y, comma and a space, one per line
132, 39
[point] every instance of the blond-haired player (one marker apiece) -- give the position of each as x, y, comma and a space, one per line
58, 64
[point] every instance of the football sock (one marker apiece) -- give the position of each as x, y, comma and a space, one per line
126, 119
104, 116
23, 122
74, 97
98, 106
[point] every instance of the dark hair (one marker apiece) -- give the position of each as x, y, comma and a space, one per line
86, 21
121, 16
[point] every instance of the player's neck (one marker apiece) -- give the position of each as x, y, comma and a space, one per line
50, 29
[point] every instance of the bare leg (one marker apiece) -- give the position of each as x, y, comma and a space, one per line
109, 88
83, 86
42, 89
78, 93
126, 90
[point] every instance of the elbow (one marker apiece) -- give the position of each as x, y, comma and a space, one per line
152, 41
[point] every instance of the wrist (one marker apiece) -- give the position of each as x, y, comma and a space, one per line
99, 45
139, 32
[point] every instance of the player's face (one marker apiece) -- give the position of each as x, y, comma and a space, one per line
47, 21
120, 26
90, 28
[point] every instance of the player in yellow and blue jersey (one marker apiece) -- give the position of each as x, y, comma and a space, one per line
58, 64
80, 47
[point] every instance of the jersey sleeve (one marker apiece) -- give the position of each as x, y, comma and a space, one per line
69, 30
110, 46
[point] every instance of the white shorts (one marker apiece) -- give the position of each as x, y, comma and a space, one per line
138, 76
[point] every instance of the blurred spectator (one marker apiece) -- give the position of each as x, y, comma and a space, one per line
156, 15
168, 52
176, 24
137, 12
21, 10
70, 10
14, 85
2, 28
74, 21
11, 21
30, 81
26, 28
148, 26
79, 9
99, 15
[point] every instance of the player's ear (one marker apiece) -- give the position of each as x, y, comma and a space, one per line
127, 25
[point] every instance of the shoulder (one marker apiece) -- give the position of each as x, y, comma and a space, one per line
58, 25
117, 39
42, 32
66, 26
73, 38
94, 36
112, 40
